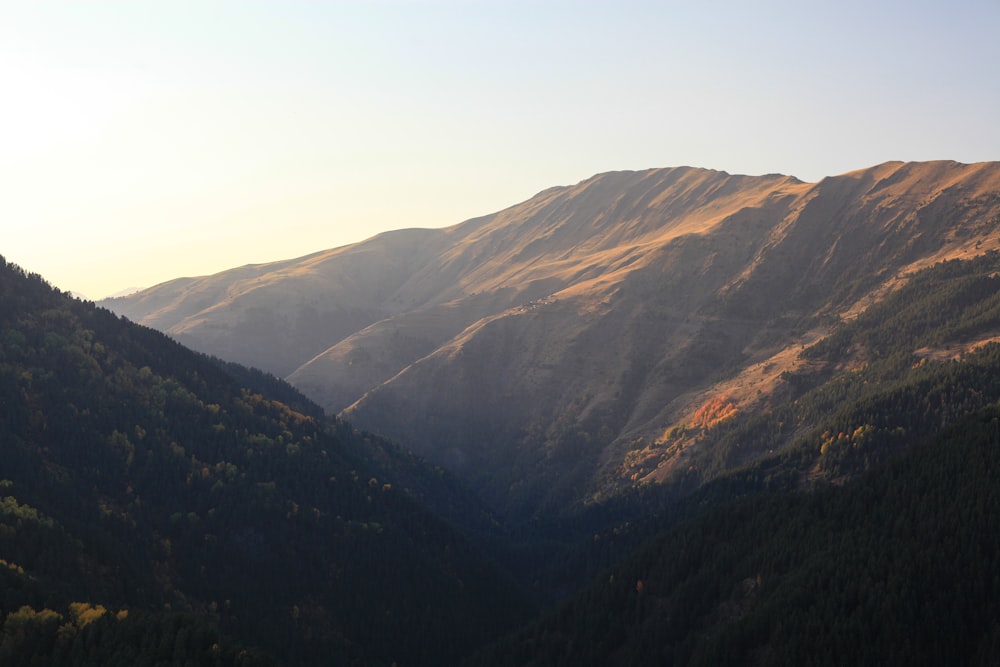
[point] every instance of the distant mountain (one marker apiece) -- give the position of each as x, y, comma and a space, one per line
161, 507
124, 292
597, 337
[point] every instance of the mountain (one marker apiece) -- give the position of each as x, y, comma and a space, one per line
587, 341
158, 506
124, 292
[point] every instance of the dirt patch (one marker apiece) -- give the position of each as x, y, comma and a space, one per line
954, 351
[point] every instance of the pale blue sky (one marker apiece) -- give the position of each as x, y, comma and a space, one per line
141, 141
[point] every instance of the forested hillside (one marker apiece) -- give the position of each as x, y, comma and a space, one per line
156, 505
898, 567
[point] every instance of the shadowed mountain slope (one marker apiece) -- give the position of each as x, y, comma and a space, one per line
544, 351
138, 476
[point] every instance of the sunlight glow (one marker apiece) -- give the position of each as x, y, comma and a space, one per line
143, 141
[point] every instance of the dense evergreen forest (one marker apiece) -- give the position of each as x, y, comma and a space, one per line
161, 507
899, 567
203, 507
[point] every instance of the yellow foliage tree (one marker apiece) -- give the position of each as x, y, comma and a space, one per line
83, 613
715, 410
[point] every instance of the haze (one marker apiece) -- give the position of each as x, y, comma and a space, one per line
145, 141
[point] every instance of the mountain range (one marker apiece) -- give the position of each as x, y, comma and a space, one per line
667, 417
581, 343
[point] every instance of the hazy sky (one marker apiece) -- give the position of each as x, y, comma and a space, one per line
142, 141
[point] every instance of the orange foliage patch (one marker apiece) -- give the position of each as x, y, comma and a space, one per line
716, 410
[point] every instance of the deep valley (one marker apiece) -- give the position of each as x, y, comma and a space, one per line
673, 417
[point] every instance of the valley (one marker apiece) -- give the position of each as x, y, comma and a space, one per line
674, 416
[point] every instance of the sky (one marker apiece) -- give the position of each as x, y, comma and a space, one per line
144, 141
